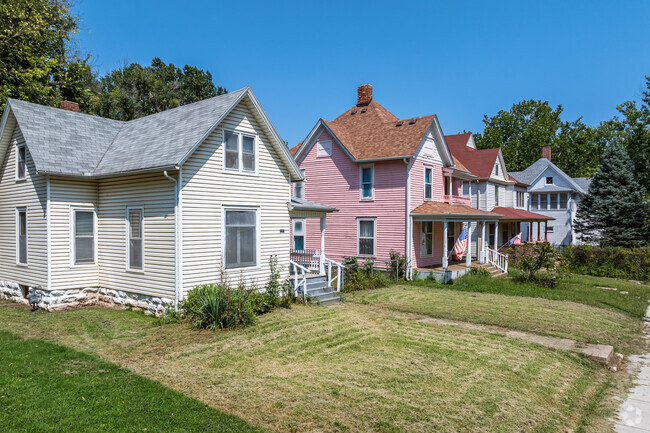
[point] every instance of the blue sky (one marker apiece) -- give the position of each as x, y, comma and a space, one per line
457, 59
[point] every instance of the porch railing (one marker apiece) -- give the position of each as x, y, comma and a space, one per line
309, 259
299, 277
497, 259
339, 273
457, 199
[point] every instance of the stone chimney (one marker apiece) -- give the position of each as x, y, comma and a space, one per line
546, 152
69, 105
364, 94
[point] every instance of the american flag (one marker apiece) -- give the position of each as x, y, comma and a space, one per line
516, 240
461, 245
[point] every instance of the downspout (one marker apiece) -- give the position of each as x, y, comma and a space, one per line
48, 233
408, 219
176, 240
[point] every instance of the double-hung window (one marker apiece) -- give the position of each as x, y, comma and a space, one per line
84, 236
299, 188
496, 195
520, 199
426, 248
451, 237
534, 201
563, 200
299, 234
367, 182
428, 183
241, 238
21, 162
21, 231
135, 226
239, 152
366, 236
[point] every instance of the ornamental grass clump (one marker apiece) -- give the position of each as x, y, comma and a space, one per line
217, 306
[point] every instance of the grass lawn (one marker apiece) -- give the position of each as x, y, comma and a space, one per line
48, 387
572, 287
348, 368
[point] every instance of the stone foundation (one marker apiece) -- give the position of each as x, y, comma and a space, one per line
57, 300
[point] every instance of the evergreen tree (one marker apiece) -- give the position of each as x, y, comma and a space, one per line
614, 211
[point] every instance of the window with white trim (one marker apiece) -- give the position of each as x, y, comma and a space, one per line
496, 195
496, 168
239, 152
549, 180
563, 200
543, 201
299, 234
367, 182
366, 236
428, 183
299, 188
549, 229
240, 238
534, 201
135, 227
323, 148
426, 247
21, 162
451, 237
520, 199
84, 236
21, 232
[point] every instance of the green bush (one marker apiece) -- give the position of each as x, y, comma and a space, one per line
531, 258
215, 306
362, 277
478, 271
615, 262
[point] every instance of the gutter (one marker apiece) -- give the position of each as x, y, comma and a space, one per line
178, 233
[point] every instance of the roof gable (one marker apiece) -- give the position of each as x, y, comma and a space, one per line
533, 173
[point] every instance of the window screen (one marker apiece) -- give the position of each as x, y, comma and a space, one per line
84, 237
22, 236
135, 239
241, 243
367, 237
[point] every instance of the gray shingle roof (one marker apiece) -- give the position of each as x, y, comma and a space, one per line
302, 204
583, 182
532, 173
77, 144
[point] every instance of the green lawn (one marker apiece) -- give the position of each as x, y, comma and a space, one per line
348, 368
48, 387
572, 287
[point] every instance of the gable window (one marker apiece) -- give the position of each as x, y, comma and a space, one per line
427, 148
135, 233
549, 180
21, 231
239, 152
520, 199
21, 162
428, 183
367, 182
426, 247
241, 238
84, 236
323, 148
299, 234
496, 168
496, 195
299, 188
366, 236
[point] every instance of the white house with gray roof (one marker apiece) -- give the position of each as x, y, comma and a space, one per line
139, 212
555, 194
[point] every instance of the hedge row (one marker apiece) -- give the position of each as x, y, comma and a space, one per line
615, 262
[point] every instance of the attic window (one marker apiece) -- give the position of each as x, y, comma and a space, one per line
354, 112
400, 123
21, 157
323, 149
364, 110
549, 180
412, 121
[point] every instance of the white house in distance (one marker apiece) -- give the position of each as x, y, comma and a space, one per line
139, 212
555, 194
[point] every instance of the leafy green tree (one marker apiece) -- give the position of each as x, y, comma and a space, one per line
614, 211
37, 59
529, 125
135, 91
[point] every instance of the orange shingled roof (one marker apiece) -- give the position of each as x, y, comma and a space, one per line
510, 213
479, 162
438, 207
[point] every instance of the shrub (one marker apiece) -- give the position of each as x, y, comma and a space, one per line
397, 266
216, 306
479, 272
531, 258
615, 262
362, 277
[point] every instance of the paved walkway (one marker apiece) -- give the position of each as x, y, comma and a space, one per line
634, 414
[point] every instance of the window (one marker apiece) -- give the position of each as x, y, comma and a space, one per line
543, 201
549, 229
367, 181
496, 168
299, 234
84, 236
299, 188
491, 232
241, 238
323, 149
21, 231
21, 164
426, 248
549, 180
520, 199
135, 227
366, 237
239, 152
451, 238
447, 181
428, 183
466, 186
496, 195
563, 200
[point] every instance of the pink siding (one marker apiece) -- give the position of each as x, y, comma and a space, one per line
417, 182
334, 181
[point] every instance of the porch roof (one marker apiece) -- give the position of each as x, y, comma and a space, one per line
439, 211
305, 205
512, 214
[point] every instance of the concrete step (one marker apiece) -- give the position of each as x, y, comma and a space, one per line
321, 290
329, 301
499, 275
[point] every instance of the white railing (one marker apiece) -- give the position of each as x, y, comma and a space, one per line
496, 259
339, 273
299, 277
310, 259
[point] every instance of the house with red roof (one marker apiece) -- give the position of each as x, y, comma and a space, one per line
396, 184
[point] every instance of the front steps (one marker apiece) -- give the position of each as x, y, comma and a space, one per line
494, 271
318, 291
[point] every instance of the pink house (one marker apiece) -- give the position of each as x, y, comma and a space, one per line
394, 182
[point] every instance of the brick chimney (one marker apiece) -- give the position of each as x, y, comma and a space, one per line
69, 105
546, 152
364, 94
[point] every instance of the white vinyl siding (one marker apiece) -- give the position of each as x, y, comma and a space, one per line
29, 194
208, 189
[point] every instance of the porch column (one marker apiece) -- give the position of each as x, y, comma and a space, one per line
538, 232
322, 246
496, 235
468, 257
482, 253
444, 245
546, 231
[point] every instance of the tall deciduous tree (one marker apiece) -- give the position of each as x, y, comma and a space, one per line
135, 91
529, 125
614, 211
37, 59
